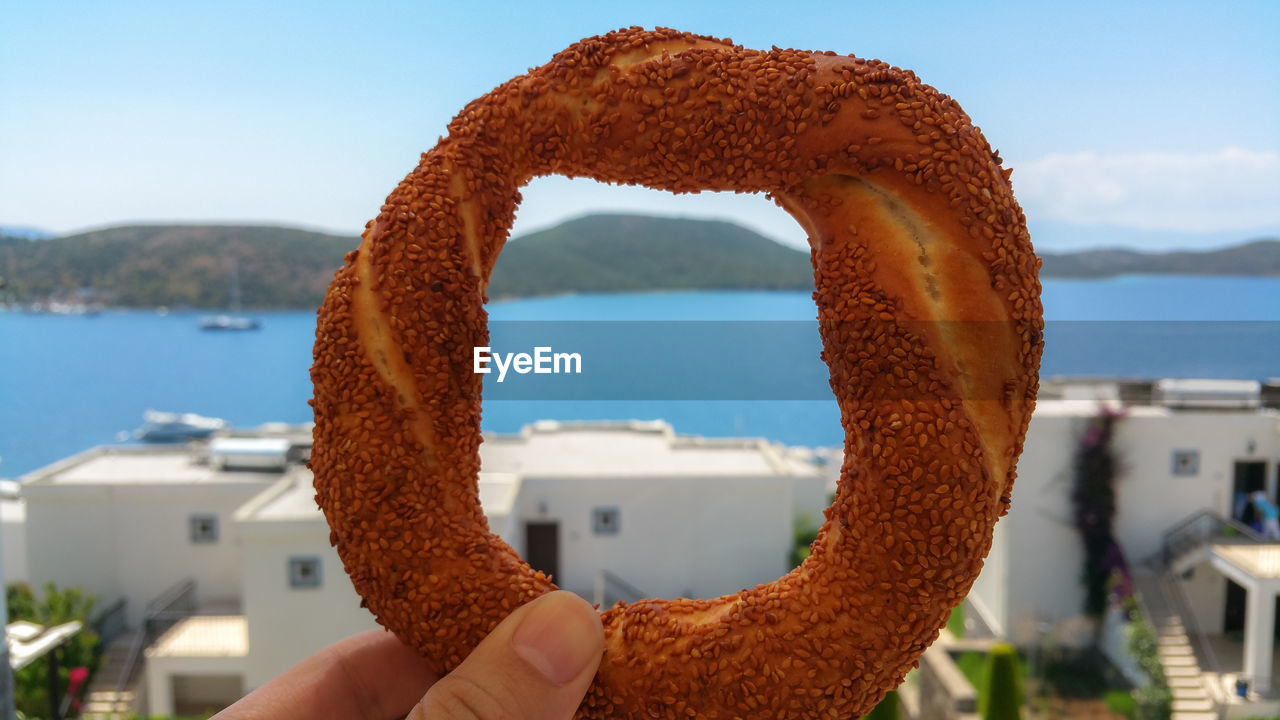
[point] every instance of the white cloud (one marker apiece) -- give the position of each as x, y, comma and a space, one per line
1232, 189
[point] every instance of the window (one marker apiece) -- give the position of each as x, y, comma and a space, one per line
604, 521
304, 572
204, 529
1186, 462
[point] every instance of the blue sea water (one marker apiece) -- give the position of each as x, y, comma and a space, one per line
71, 382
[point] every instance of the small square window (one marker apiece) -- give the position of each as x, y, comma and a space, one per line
1186, 462
605, 520
304, 572
204, 529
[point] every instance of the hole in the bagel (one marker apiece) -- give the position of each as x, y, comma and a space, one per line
648, 475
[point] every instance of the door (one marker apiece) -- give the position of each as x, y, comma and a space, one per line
542, 547
1250, 476
1233, 617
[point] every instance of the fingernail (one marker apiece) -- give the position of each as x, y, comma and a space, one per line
559, 636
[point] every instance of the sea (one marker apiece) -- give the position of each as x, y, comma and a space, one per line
710, 363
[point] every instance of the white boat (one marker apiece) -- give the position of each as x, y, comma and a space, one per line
231, 321
169, 427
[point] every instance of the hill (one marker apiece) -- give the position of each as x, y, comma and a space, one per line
1260, 257
176, 265
188, 265
621, 253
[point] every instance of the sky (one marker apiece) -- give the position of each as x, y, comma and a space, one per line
1152, 125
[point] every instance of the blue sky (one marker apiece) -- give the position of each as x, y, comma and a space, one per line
1142, 124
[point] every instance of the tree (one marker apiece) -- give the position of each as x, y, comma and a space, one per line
1003, 696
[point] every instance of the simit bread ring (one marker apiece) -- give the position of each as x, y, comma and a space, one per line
929, 310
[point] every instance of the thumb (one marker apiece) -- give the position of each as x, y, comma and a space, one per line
536, 665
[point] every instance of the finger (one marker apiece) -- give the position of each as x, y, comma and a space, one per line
370, 676
535, 665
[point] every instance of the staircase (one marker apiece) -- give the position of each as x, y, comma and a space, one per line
1170, 613
104, 701
1190, 699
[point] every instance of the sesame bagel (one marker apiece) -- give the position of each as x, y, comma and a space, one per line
928, 306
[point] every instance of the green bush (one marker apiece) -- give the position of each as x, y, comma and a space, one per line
886, 710
804, 532
1003, 697
1121, 702
30, 684
955, 621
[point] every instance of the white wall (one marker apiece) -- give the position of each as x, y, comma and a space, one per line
134, 540
808, 497
1044, 551
988, 598
679, 537
13, 538
1152, 498
71, 539
288, 624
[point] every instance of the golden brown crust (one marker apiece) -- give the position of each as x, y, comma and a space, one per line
928, 306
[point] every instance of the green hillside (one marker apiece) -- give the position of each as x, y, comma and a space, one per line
621, 253
176, 265
189, 265
1260, 257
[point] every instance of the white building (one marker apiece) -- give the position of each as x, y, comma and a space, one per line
131, 522
672, 515
612, 510
297, 598
1184, 468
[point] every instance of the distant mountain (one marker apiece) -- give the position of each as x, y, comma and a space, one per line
188, 265
621, 253
1260, 257
26, 232
176, 266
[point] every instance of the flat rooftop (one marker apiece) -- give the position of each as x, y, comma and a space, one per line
1259, 561
622, 449
141, 465
204, 636
294, 498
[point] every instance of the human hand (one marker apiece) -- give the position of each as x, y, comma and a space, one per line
536, 665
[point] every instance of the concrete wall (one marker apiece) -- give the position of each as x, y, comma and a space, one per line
287, 624
134, 540
1206, 591
678, 537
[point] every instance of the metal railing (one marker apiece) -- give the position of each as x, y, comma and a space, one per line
110, 623
162, 613
611, 589
170, 606
1199, 529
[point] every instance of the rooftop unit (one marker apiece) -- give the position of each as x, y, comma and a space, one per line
1193, 393
249, 453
